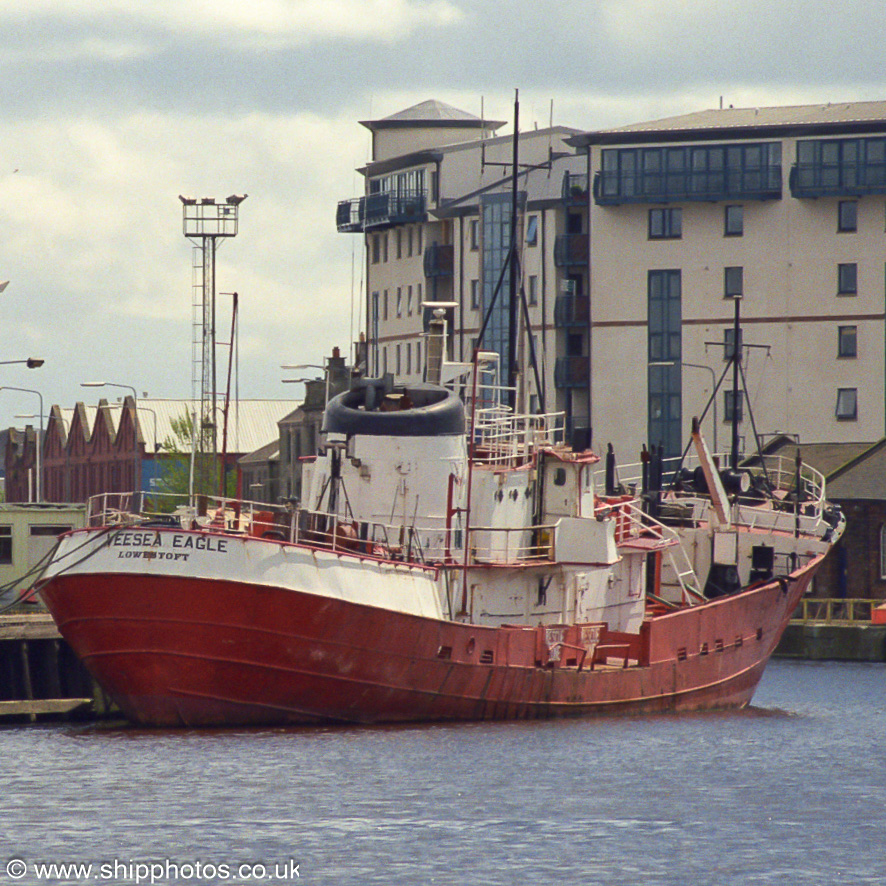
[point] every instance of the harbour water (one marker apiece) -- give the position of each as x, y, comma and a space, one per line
789, 792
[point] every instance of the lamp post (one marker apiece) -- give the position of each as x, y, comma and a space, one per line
39, 484
136, 479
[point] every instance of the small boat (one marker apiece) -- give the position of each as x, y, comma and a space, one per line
450, 559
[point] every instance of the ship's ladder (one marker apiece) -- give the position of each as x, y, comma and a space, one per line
686, 576
637, 530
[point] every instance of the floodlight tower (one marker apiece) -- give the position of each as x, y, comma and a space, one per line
205, 223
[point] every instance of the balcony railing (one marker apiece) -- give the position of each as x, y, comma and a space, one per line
571, 250
379, 210
575, 188
571, 372
438, 260
349, 215
757, 183
571, 310
818, 179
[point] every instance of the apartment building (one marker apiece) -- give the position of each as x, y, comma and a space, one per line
437, 216
782, 209
633, 284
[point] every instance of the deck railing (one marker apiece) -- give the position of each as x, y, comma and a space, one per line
777, 510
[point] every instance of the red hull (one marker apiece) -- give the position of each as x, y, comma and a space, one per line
209, 653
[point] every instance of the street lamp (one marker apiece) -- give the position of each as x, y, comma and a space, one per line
39, 485
324, 369
713, 385
30, 362
136, 479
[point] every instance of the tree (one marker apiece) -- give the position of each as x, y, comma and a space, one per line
175, 472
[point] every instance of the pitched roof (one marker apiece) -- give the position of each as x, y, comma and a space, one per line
762, 122
251, 423
852, 470
430, 113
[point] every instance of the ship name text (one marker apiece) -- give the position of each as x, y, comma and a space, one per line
154, 540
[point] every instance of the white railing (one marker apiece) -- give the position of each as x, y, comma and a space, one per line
425, 545
502, 437
775, 475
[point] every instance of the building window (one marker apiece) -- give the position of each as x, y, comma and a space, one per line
408, 358
376, 247
728, 343
475, 294
847, 279
409, 301
665, 315
729, 400
664, 333
399, 301
847, 216
385, 248
384, 360
409, 240
665, 223
475, 233
532, 230
847, 404
533, 290
733, 172
399, 238
574, 344
418, 239
418, 356
733, 221
733, 279
397, 364
6, 545
847, 341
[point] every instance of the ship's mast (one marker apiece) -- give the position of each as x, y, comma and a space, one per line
513, 277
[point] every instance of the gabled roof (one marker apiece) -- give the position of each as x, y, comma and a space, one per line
251, 423
266, 453
852, 470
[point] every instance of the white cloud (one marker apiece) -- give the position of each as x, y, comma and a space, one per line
265, 23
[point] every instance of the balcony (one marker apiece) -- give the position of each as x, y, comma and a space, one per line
439, 260
571, 372
571, 250
575, 189
571, 311
846, 179
349, 216
379, 211
759, 183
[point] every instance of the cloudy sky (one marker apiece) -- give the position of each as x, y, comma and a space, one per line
112, 108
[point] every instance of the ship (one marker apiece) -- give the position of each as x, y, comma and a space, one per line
450, 559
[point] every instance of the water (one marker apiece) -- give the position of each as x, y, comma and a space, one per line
790, 792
